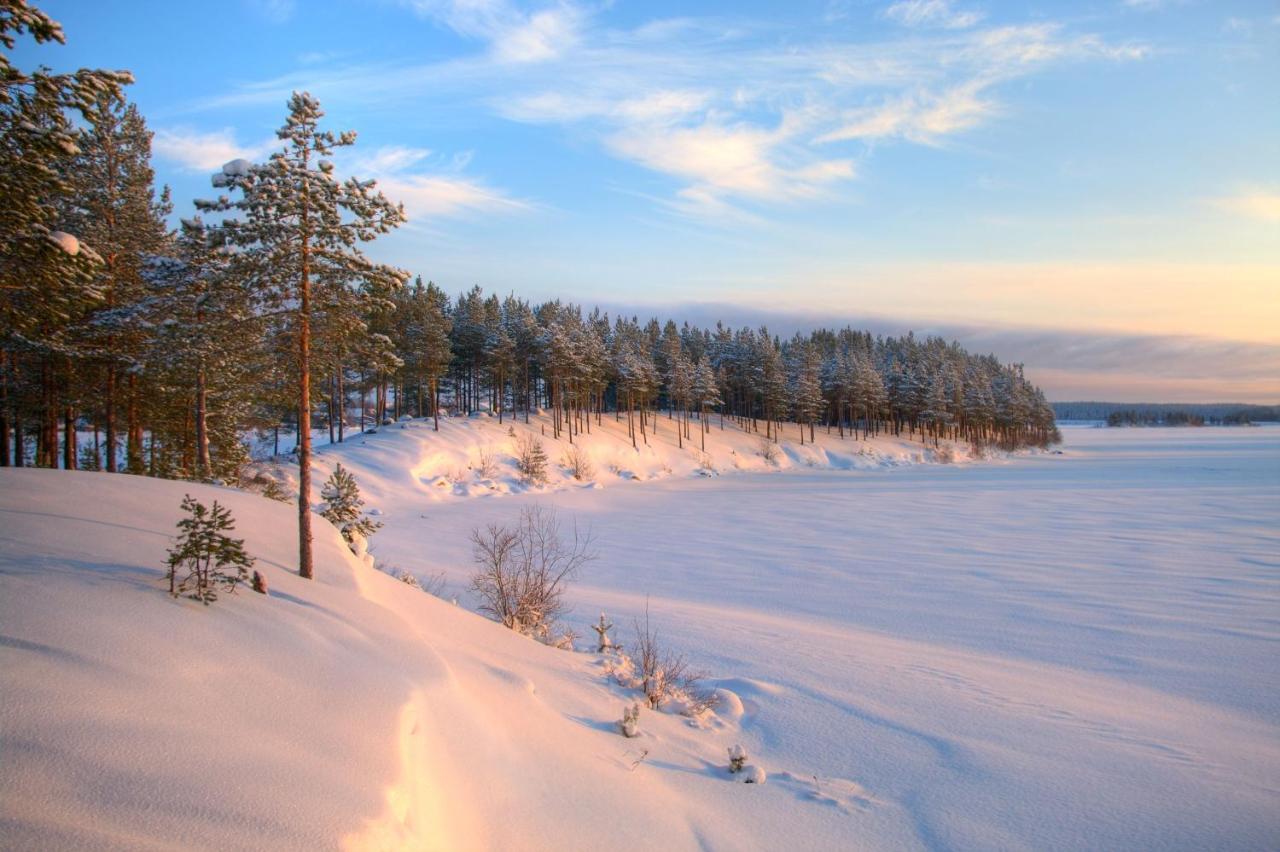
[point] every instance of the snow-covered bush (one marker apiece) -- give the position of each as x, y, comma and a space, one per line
945, 454
408, 579
342, 506
211, 558
522, 571
531, 460
630, 723
747, 773
578, 463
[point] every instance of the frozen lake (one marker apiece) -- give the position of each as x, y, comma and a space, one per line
1056, 650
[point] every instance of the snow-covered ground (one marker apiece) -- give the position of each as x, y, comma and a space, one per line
1043, 651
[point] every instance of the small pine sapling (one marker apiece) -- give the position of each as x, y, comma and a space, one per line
741, 770
630, 724
212, 558
531, 460
604, 643
342, 506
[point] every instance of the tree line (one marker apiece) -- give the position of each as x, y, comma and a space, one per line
127, 345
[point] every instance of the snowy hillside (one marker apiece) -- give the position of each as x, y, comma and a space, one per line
476, 456
350, 707
1010, 655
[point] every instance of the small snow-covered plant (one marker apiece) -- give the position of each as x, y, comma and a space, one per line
630, 723
511, 431
706, 466
531, 460
342, 506
522, 571
745, 772
486, 464
408, 579
603, 642
663, 674
563, 640
211, 558
260, 582
578, 462
946, 454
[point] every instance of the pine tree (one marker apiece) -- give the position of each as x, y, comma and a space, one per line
201, 352
116, 211
342, 506
706, 394
212, 558
46, 269
437, 352
300, 225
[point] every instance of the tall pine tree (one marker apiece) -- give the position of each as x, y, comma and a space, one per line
299, 224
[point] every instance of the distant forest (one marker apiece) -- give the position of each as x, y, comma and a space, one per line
1167, 413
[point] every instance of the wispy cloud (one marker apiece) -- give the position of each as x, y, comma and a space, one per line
513, 34
198, 151
1258, 204
731, 114
275, 11
428, 187
931, 13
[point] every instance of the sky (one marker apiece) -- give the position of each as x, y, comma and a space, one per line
1091, 188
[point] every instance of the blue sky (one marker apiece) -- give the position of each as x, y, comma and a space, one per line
1022, 176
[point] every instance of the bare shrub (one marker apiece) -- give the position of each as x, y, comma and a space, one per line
486, 464
946, 454
665, 675
523, 571
531, 460
769, 451
578, 462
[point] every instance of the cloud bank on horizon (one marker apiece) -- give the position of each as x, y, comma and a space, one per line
1112, 167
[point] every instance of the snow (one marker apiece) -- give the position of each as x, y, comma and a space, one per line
65, 241
237, 168
1041, 651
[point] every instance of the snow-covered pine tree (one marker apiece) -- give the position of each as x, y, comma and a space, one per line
297, 223
342, 501
116, 210
437, 352
706, 394
201, 354
46, 270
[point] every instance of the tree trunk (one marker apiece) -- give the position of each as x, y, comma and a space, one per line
304, 398
133, 450
70, 447
203, 466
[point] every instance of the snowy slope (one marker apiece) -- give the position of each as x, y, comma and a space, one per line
1049, 651
410, 460
351, 707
